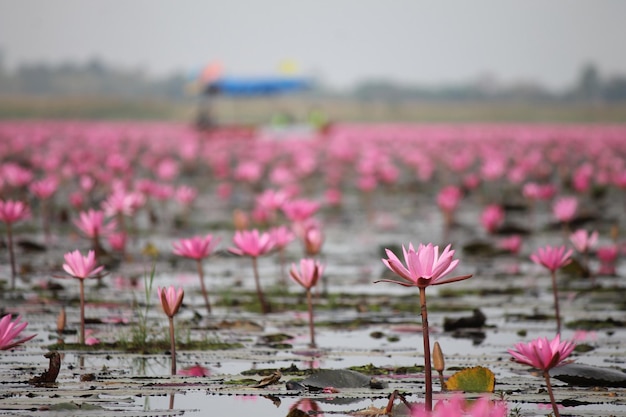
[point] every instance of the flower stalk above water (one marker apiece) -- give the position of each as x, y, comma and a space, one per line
544, 355
254, 244
553, 258
423, 267
307, 276
11, 212
198, 248
81, 267
171, 300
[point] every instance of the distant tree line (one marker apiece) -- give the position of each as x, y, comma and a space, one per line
92, 78
97, 78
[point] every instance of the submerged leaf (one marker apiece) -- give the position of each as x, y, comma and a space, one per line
589, 376
476, 379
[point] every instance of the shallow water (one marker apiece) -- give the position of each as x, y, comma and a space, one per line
139, 384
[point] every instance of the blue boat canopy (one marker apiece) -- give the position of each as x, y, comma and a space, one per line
255, 86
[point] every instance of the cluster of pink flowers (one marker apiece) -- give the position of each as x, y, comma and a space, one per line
109, 181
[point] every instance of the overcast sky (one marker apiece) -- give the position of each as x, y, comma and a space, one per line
340, 41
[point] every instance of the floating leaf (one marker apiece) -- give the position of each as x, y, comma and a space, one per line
476, 379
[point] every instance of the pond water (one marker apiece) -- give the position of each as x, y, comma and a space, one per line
359, 323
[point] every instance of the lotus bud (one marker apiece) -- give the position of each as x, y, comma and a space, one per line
240, 219
438, 361
61, 319
439, 364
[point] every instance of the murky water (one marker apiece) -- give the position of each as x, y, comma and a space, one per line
364, 325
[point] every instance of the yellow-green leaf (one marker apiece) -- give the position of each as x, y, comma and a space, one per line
476, 379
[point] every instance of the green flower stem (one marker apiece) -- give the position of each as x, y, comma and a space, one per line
204, 292
427, 366
309, 300
173, 344
82, 311
556, 302
264, 306
11, 254
546, 375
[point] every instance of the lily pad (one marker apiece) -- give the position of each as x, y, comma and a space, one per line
339, 378
476, 379
589, 376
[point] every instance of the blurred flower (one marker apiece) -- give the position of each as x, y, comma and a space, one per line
10, 331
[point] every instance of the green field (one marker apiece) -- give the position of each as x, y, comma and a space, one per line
261, 110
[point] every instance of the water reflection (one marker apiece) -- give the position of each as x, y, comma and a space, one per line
305, 407
202, 403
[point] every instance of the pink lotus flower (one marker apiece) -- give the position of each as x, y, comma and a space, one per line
309, 273
171, 300
300, 210
512, 244
583, 240
196, 247
11, 212
186, 195
564, 209
81, 267
449, 198
492, 217
117, 241
544, 355
457, 406
424, 266
252, 243
552, 258
10, 331
313, 239
608, 257
44, 188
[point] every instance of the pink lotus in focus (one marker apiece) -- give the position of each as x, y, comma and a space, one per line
544, 355
10, 331
424, 267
